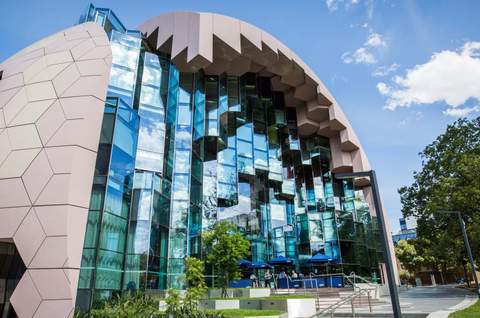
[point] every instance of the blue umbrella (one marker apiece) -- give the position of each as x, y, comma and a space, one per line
280, 260
244, 262
320, 258
259, 265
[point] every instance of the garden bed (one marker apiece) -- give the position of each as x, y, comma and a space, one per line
240, 313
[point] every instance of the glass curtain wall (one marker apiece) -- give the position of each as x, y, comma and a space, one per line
180, 151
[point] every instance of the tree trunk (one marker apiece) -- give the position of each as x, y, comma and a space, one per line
225, 286
443, 271
465, 273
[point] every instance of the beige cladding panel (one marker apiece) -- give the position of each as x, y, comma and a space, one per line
52, 97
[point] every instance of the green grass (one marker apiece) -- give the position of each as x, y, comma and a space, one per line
274, 297
246, 312
470, 312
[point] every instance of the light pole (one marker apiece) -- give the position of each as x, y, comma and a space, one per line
392, 284
467, 246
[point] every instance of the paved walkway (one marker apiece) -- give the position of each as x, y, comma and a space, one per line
434, 302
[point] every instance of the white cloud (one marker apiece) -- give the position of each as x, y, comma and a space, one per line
385, 70
452, 77
360, 56
365, 53
333, 5
460, 112
383, 88
375, 40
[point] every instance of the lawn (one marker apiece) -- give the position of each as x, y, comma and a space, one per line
246, 312
470, 312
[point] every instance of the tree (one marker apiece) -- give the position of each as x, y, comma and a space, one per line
224, 247
408, 256
449, 180
196, 287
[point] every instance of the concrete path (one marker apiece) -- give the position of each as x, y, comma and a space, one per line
431, 302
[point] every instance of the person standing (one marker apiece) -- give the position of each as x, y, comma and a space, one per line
268, 278
254, 280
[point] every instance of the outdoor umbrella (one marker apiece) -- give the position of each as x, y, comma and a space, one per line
259, 265
280, 260
320, 258
244, 263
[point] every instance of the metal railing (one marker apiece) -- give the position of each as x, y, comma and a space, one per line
350, 299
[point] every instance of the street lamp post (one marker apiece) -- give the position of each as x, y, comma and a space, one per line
467, 246
392, 284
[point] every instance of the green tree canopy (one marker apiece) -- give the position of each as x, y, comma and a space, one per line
224, 247
407, 255
449, 180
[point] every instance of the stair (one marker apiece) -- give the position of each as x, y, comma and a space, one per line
326, 297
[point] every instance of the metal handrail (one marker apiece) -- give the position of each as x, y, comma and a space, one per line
371, 285
355, 276
332, 308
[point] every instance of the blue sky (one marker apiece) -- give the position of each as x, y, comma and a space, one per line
401, 70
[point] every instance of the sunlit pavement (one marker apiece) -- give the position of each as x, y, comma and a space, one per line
434, 302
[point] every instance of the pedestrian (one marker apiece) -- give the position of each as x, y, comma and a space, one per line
268, 278
254, 280
294, 274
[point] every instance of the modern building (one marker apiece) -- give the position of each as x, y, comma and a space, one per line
405, 233
119, 148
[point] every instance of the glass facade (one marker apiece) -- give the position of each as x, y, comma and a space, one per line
180, 151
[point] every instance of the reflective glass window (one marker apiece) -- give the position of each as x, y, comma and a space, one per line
124, 56
150, 95
184, 115
244, 149
182, 161
261, 159
151, 135
183, 138
122, 78
245, 165
148, 160
139, 235
180, 187
113, 233
151, 75
227, 174
245, 132
124, 39
227, 156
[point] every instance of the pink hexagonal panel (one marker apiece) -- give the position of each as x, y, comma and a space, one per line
47, 160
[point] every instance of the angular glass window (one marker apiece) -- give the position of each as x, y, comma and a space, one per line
183, 137
181, 187
150, 96
184, 116
227, 156
147, 160
227, 174
178, 248
182, 161
124, 56
244, 149
261, 159
245, 165
122, 78
245, 132
114, 230
151, 76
